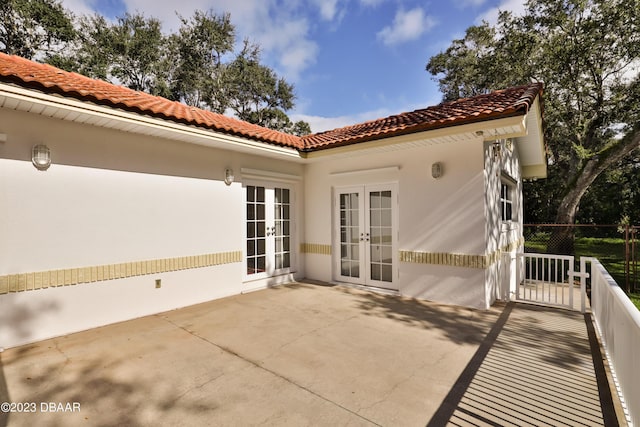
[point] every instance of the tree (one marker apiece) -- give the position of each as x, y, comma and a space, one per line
587, 53
30, 28
244, 85
131, 51
198, 49
256, 94
196, 65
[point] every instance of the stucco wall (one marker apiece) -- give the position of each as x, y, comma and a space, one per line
435, 216
121, 201
504, 239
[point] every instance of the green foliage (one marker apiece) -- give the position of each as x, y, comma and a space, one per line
586, 52
131, 51
31, 28
256, 94
198, 49
196, 65
635, 299
609, 251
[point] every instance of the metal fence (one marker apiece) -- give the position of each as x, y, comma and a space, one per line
615, 245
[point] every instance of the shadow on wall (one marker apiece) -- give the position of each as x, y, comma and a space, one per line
18, 318
458, 324
451, 225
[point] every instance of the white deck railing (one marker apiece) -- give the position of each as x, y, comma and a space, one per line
550, 280
618, 322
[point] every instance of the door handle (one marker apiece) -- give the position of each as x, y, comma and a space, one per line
364, 236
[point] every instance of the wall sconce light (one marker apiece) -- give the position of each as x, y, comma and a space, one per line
437, 170
479, 133
41, 157
497, 149
228, 176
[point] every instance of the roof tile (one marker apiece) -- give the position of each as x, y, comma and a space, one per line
43, 77
497, 104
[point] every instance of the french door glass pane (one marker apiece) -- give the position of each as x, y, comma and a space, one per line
349, 235
282, 218
256, 224
381, 235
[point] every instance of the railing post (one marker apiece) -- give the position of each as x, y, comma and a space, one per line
627, 271
572, 276
583, 284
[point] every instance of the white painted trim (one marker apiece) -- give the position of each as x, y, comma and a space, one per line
187, 133
466, 132
365, 171
294, 239
248, 173
365, 256
508, 178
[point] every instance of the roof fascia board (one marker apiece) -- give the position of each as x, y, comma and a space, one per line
537, 115
203, 136
488, 127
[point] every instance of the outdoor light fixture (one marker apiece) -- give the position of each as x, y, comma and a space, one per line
437, 170
497, 148
228, 176
41, 157
479, 133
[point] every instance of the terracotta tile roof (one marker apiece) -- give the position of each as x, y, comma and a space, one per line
48, 79
498, 104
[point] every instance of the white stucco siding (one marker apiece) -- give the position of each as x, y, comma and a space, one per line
503, 238
112, 198
32, 316
81, 216
444, 215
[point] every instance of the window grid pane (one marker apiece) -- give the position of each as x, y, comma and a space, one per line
381, 236
256, 243
506, 202
349, 235
282, 215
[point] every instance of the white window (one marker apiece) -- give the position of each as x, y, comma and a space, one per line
269, 248
506, 201
366, 235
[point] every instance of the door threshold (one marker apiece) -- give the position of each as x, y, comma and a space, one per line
375, 289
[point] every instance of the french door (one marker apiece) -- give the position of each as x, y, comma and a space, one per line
366, 235
268, 231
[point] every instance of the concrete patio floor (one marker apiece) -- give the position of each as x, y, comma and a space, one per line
306, 354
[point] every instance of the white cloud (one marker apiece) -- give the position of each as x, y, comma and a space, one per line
321, 124
462, 4
79, 7
278, 26
328, 8
371, 3
517, 7
407, 26
287, 39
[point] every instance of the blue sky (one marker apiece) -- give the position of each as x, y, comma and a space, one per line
349, 60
